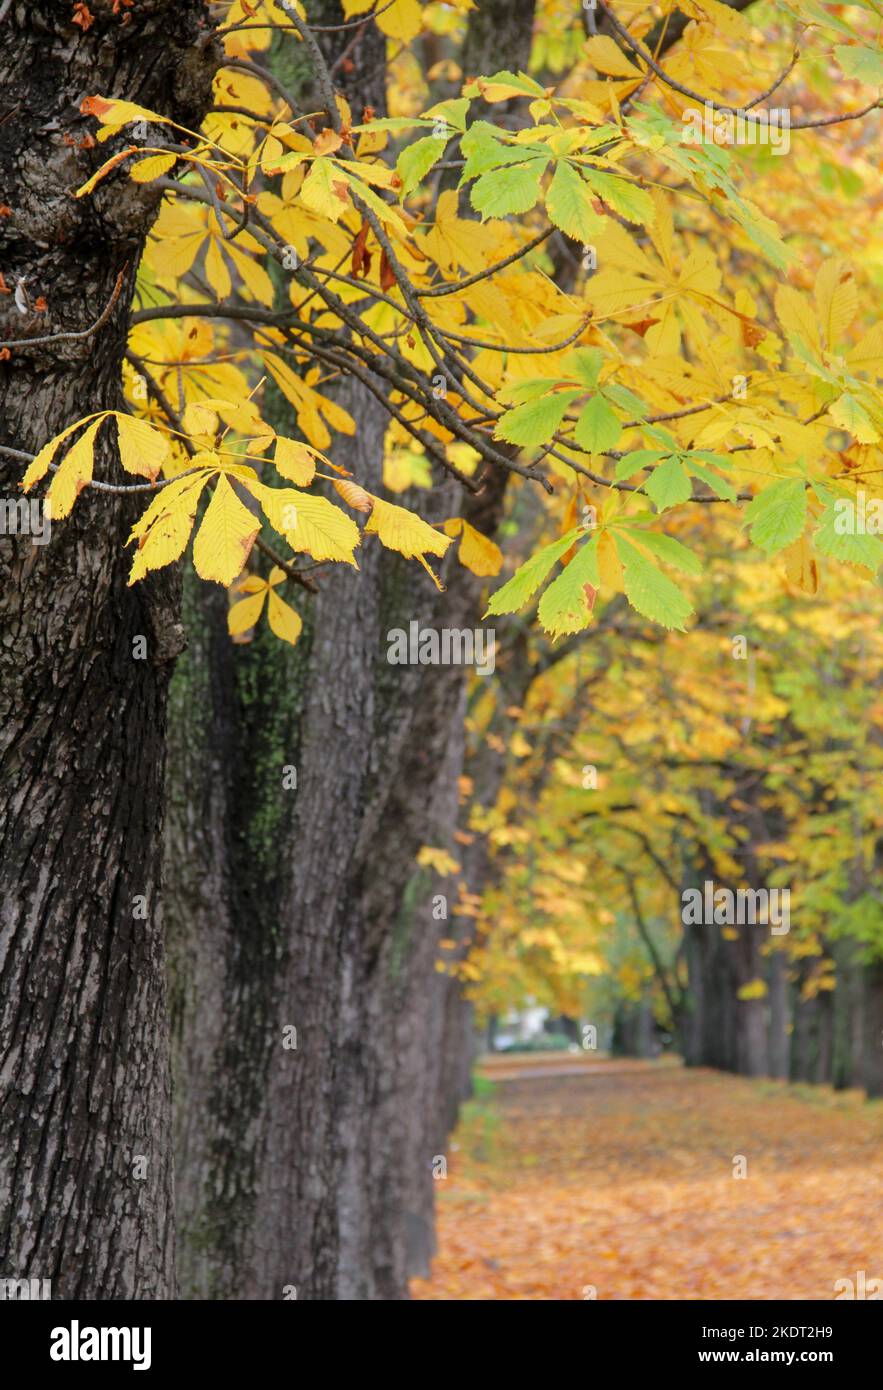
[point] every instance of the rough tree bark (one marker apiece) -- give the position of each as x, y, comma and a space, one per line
84, 1087
302, 907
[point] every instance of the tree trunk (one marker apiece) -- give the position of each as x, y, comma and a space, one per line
778, 1021
499, 35
824, 1039
803, 1038
311, 1166
85, 1182
309, 912
872, 1027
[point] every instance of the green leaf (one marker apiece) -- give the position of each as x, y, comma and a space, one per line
597, 427
852, 417
649, 591
569, 205
483, 150
520, 81
395, 123
625, 399
777, 515
511, 190
566, 606
670, 551
528, 578
762, 231
453, 111
864, 64
416, 160
862, 549
664, 437
708, 456
535, 422
632, 463
668, 485
584, 365
719, 486
630, 201
519, 391
817, 12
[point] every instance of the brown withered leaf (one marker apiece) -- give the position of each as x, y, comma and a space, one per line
361, 263
387, 275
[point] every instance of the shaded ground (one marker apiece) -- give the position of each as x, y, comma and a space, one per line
570, 1174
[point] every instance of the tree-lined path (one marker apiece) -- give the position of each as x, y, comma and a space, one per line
620, 1175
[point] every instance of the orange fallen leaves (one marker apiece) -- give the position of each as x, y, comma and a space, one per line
618, 1177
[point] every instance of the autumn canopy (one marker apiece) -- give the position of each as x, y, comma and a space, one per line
489, 398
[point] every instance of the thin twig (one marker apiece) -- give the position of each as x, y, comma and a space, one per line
745, 111
80, 334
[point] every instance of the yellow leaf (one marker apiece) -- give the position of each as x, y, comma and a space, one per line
801, 566
836, 297
323, 530
295, 461
867, 355
477, 552
164, 529
244, 615
518, 745
308, 523
216, 271
254, 584
39, 467
502, 91
324, 190
795, 314
403, 21
143, 449
755, 989
438, 859
200, 420
242, 415
74, 473
609, 564
308, 404
283, 620
224, 540
455, 241
404, 468
114, 112
328, 141
605, 56
152, 167
404, 531
355, 496
255, 277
